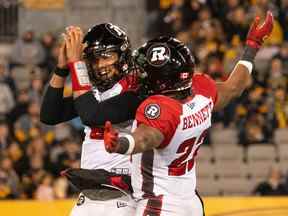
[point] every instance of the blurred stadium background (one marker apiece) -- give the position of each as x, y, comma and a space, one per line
246, 152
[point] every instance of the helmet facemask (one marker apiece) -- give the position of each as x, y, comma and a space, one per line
169, 85
105, 68
107, 55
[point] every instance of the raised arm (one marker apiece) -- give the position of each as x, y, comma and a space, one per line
79, 73
240, 77
55, 108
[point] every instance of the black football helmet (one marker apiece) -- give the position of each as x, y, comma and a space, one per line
101, 40
167, 64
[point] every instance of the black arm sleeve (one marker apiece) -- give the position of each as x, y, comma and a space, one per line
55, 108
116, 109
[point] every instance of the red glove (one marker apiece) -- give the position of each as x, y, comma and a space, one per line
119, 181
110, 138
257, 34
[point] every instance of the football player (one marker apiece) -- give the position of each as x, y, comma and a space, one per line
100, 66
171, 124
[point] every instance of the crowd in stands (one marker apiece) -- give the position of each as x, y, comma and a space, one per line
216, 31
33, 154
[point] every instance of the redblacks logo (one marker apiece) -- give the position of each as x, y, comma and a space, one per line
158, 55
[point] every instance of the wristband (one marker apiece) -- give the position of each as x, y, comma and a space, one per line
249, 54
79, 76
131, 144
247, 64
62, 72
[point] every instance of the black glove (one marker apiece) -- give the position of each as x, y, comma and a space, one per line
84, 179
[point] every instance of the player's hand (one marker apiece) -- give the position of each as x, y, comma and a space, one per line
74, 46
258, 33
62, 58
110, 138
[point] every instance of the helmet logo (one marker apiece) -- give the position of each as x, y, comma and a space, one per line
158, 55
115, 30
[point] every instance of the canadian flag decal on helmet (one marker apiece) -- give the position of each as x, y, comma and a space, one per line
184, 75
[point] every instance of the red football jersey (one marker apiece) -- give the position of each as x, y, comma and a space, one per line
170, 169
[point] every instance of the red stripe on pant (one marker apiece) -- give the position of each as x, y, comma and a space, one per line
147, 173
154, 206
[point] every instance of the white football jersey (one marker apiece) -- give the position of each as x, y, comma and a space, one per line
94, 155
169, 170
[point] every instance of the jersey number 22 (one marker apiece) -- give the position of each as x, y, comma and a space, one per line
181, 165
